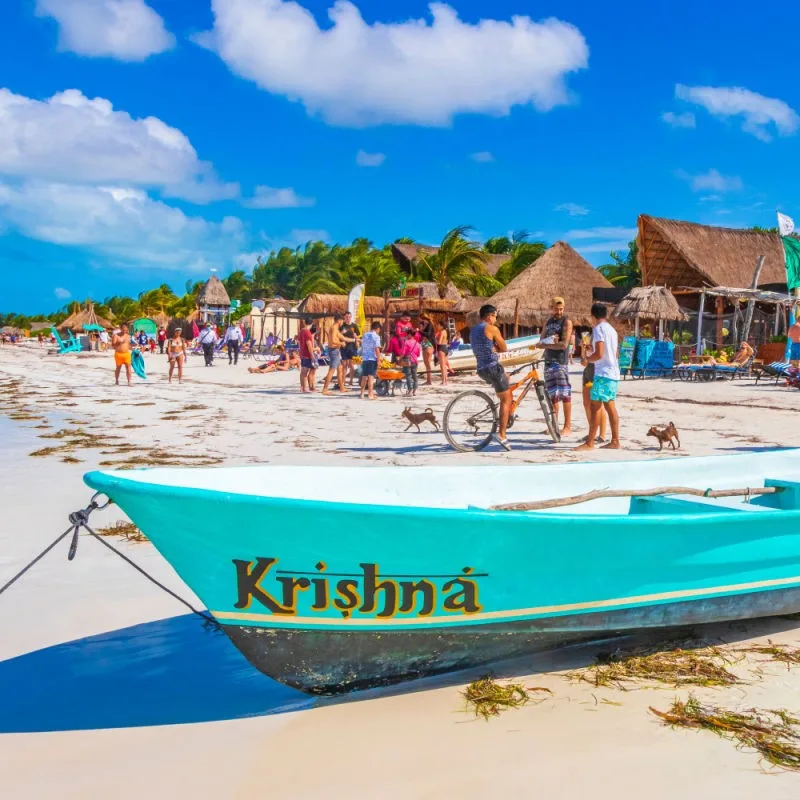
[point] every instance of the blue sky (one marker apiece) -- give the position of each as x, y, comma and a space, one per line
144, 141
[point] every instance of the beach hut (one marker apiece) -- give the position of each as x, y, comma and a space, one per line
84, 319
271, 316
213, 302
524, 304
654, 303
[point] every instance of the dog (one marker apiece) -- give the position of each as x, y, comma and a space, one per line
416, 419
665, 435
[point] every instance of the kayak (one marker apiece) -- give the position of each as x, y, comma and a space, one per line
325, 595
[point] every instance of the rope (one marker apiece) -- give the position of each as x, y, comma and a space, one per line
79, 520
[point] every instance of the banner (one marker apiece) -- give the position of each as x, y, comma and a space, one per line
791, 250
355, 305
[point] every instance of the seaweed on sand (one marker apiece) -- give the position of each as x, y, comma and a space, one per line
773, 734
776, 652
127, 530
488, 698
673, 665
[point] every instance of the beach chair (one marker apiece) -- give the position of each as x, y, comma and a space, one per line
777, 370
711, 372
71, 345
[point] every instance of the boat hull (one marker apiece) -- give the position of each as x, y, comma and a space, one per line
519, 351
330, 596
330, 662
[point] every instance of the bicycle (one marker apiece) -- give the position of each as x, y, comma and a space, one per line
471, 418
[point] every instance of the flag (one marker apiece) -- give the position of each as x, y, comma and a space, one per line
791, 251
785, 225
355, 305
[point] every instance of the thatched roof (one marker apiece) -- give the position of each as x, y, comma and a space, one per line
559, 272
649, 302
674, 253
10, 330
213, 294
330, 304
84, 316
406, 254
469, 304
40, 326
431, 291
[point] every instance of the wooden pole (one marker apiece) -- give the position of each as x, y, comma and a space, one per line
699, 346
516, 318
751, 303
636, 328
720, 311
386, 334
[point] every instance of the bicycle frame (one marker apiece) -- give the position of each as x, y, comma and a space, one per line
529, 380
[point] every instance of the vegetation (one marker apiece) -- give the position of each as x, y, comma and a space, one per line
624, 270
487, 698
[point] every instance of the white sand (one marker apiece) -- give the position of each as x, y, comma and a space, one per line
413, 744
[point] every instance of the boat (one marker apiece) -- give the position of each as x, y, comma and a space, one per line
519, 351
353, 577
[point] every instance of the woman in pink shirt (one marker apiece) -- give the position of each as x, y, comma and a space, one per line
409, 358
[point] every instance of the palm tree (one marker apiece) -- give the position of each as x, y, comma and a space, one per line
624, 271
523, 253
458, 260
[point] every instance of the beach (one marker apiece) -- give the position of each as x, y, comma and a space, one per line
110, 686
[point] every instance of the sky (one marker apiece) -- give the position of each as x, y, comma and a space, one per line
150, 141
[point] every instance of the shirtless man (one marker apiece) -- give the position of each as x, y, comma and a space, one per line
335, 343
121, 342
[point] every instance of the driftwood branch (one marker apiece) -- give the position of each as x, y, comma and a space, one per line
559, 502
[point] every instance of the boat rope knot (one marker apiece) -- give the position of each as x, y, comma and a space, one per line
707, 492
79, 521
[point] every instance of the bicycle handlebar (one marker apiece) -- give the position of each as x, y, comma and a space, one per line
526, 365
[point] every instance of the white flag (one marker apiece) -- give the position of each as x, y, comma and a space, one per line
785, 225
354, 300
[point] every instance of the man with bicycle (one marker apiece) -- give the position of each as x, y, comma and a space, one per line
487, 341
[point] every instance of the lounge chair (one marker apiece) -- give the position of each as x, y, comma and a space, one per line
710, 372
71, 345
777, 370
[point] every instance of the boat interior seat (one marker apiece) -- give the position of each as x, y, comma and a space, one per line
787, 500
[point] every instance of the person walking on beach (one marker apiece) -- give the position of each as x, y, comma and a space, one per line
335, 344
487, 342
308, 356
161, 338
410, 360
556, 336
606, 378
350, 333
121, 342
104, 340
208, 338
176, 354
442, 348
427, 340
233, 339
370, 356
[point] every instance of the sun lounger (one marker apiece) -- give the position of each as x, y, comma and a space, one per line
777, 370
710, 372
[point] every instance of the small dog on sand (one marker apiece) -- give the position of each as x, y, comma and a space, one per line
415, 419
665, 434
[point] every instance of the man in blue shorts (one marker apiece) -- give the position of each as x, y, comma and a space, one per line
606, 378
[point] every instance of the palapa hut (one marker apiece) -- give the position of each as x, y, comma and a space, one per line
83, 317
213, 301
688, 257
655, 303
525, 302
271, 315
37, 327
406, 254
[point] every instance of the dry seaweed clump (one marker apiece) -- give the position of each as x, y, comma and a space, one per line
776, 652
488, 698
127, 530
773, 734
676, 666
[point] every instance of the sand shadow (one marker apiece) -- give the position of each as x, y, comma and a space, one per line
767, 448
170, 671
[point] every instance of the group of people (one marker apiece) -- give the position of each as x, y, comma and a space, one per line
601, 373
123, 343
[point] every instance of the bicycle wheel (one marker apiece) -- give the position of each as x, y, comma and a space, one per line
548, 411
470, 421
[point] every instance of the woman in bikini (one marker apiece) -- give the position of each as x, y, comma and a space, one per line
176, 354
284, 362
442, 348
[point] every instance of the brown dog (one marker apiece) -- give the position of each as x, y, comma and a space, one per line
665, 435
416, 419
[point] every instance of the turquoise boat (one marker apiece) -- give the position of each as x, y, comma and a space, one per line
331, 579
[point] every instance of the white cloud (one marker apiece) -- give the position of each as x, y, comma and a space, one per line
418, 71
128, 30
269, 197
70, 137
602, 233
484, 157
365, 159
685, 120
760, 113
573, 209
712, 181
62, 294
710, 198
124, 225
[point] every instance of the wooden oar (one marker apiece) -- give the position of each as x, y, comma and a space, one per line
538, 505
